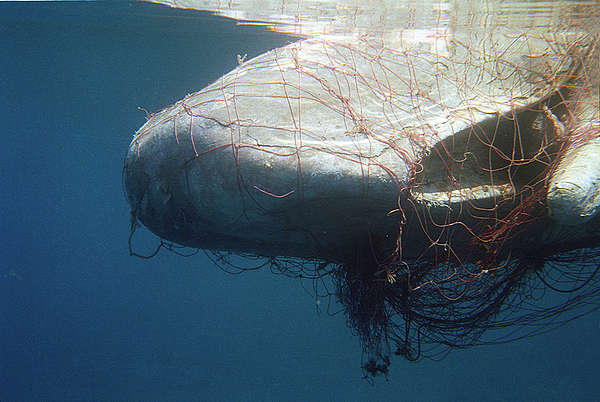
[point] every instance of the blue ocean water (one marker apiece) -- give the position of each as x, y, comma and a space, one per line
82, 320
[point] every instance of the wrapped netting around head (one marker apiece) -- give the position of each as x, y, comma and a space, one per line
413, 175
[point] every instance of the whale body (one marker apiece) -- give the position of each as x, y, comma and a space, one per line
307, 150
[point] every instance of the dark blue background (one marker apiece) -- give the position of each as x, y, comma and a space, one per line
81, 319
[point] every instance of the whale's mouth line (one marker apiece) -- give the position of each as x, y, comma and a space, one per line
484, 194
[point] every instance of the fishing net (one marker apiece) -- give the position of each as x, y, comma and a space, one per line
405, 176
